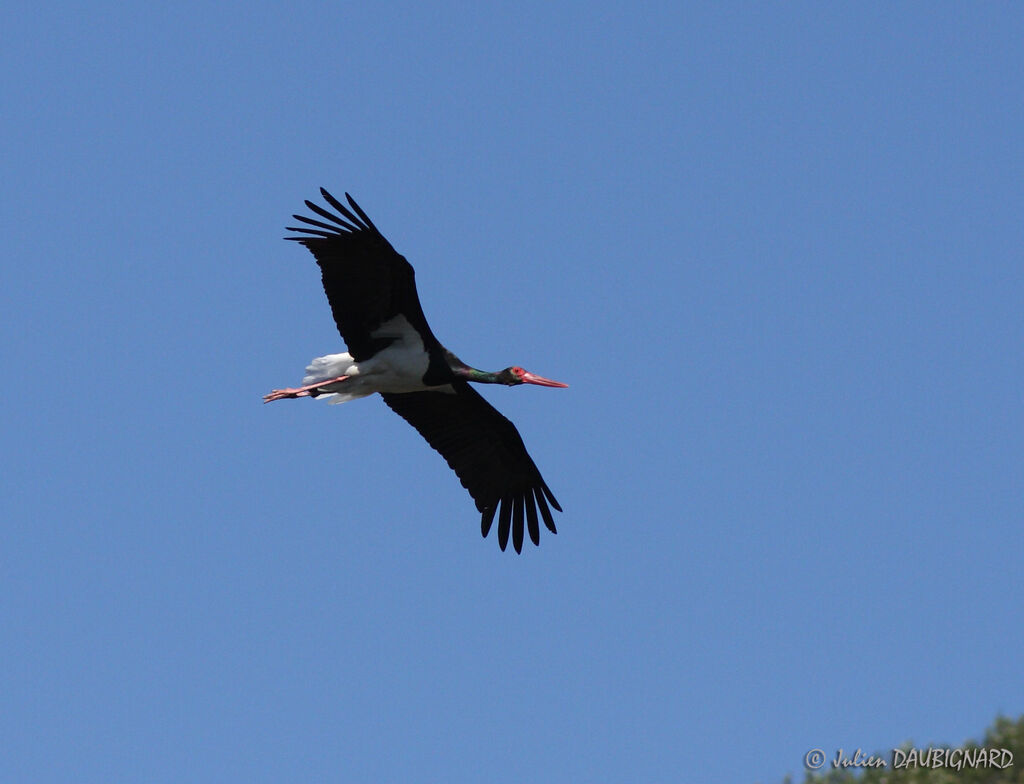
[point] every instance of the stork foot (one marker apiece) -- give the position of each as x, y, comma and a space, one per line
281, 394
306, 391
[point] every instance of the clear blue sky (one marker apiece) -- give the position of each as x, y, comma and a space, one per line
774, 249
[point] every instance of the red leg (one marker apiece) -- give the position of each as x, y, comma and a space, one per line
280, 394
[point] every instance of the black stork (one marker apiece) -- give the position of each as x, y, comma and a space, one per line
371, 289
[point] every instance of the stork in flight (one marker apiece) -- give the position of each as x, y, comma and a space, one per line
372, 292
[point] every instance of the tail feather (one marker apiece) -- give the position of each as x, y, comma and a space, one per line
332, 366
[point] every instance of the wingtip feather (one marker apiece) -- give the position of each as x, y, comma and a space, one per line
544, 511
487, 519
550, 495
531, 520
343, 209
360, 213
504, 522
517, 523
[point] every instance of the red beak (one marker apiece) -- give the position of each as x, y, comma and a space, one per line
530, 378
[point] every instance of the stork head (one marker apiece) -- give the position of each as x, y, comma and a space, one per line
516, 375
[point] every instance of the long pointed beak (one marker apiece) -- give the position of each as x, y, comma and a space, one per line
531, 378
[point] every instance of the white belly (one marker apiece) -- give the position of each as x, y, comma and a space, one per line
398, 368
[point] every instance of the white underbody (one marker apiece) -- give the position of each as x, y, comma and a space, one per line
398, 368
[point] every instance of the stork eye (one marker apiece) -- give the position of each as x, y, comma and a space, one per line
518, 370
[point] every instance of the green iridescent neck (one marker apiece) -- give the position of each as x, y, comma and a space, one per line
479, 376
462, 370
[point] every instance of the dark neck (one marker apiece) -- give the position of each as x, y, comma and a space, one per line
464, 371
479, 376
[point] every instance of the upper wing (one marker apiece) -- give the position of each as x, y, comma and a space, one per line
367, 282
487, 453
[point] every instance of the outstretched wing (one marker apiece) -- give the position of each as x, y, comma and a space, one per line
367, 282
487, 453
